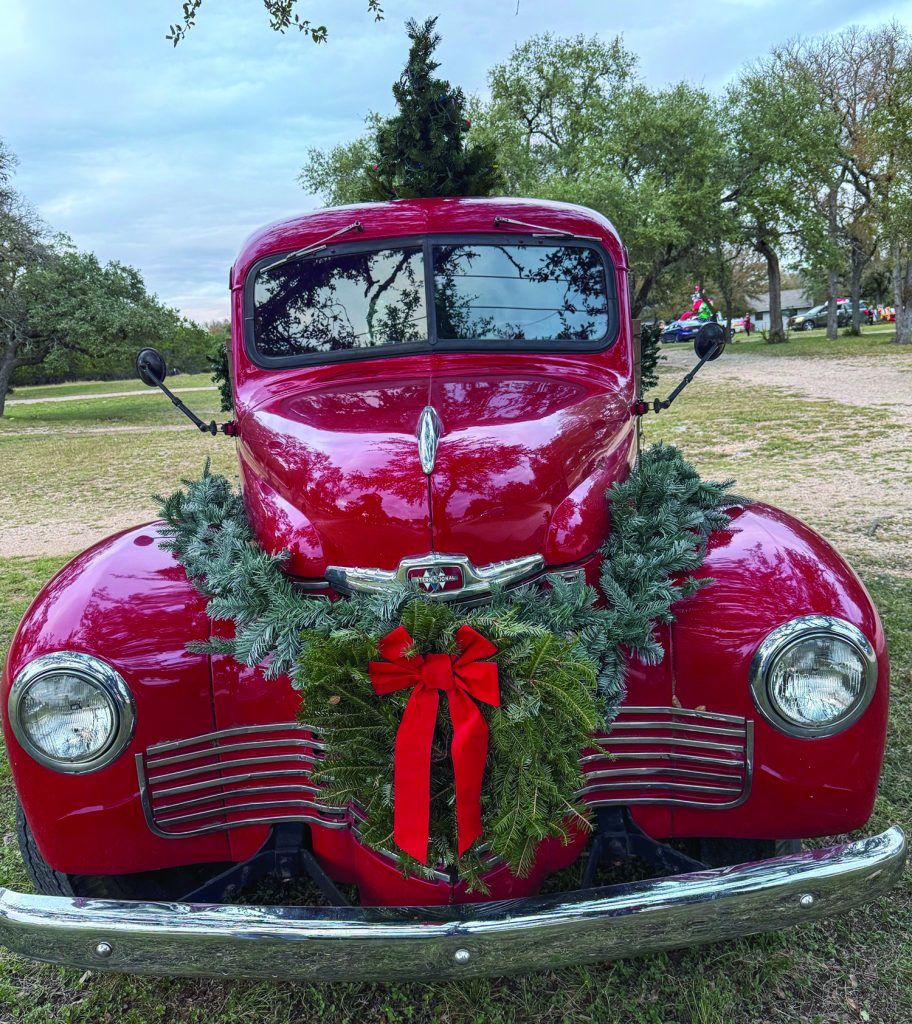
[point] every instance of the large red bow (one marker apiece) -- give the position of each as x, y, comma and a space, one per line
462, 677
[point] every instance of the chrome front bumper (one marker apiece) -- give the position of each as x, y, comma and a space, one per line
384, 944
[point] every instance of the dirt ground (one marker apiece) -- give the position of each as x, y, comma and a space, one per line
855, 487
864, 381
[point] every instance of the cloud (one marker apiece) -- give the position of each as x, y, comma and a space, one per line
167, 158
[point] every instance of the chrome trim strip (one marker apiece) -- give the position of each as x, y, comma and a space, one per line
96, 673
231, 748
239, 762
637, 709
688, 787
668, 741
785, 636
645, 755
718, 730
205, 830
241, 730
195, 787
234, 794
399, 943
251, 805
658, 773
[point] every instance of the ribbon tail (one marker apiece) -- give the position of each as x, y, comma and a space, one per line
412, 773
470, 752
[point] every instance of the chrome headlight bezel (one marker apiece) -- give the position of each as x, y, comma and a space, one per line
97, 674
783, 637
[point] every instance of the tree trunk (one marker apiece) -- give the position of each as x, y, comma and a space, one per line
7, 365
902, 297
832, 320
774, 280
639, 296
857, 261
832, 275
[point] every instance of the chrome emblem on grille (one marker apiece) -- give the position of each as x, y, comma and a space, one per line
448, 577
437, 579
429, 430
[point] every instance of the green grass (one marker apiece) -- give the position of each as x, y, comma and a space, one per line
873, 341
101, 387
781, 448
149, 409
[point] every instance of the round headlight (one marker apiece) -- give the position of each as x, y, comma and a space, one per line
814, 676
71, 712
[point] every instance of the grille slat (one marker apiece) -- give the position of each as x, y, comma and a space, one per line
709, 766
716, 730
193, 787
643, 760
241, 762
252, 805
231, 748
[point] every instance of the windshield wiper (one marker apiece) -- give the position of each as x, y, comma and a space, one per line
540, 231
309, 250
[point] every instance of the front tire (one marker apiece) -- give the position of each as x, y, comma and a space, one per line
808, 325
164, 886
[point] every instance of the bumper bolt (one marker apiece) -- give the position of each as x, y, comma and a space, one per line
462, 956
807, 900
104, 950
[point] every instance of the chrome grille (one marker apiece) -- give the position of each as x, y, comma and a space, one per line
256, 775
671, 756
252, 775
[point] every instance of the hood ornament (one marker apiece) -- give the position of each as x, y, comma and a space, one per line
428, 433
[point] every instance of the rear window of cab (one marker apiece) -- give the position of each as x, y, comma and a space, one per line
456, 293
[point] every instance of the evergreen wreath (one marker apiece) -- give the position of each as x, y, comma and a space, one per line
562, 652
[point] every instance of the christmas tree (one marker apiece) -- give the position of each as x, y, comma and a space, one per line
423, 150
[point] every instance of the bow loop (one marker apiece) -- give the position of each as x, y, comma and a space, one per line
462, 677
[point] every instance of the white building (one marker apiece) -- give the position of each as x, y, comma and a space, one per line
794, 302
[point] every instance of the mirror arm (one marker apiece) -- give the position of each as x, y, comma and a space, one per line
206, 428
640, 408
658, 405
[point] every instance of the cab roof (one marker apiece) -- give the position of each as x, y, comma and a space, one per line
403, 217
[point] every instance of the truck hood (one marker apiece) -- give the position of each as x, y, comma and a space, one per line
513, 466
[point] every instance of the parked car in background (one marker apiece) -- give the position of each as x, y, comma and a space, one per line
817, 317
681, 330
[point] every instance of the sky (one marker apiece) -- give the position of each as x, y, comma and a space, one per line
167, 158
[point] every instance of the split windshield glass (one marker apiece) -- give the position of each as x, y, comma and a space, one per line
519, 293
345, 301
502, 294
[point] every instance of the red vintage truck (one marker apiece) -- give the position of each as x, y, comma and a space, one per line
421, 398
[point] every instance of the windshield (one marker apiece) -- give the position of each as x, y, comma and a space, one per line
331, 303
514, 292
352, 299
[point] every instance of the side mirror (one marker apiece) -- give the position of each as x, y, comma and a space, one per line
150, 365
709, 342
151, 368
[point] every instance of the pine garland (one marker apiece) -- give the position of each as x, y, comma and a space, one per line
562, 652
